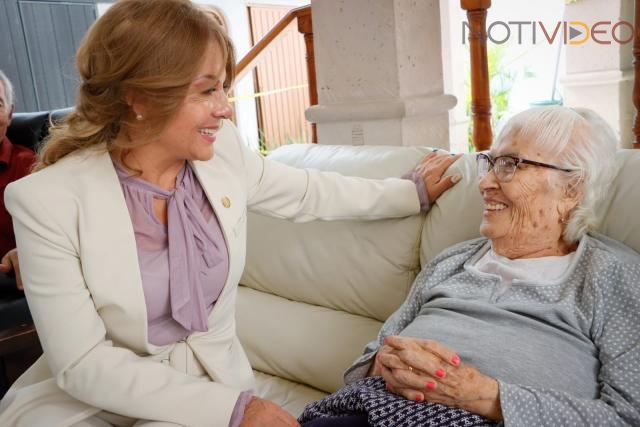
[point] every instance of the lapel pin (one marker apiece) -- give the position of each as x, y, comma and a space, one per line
226, 202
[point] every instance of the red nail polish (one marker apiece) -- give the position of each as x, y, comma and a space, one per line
419, 398
455, 360
388, 386
431, 385
440, 373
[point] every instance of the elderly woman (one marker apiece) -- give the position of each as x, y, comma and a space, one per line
132, 233
537, 323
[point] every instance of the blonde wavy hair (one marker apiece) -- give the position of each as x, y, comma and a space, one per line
151, 48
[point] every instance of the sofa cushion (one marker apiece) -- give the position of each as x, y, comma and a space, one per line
619, 211
456, 215
292, 396
300, 342
361, 267
311, 285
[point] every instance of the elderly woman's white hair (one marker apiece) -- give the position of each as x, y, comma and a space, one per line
579, 139
8, 88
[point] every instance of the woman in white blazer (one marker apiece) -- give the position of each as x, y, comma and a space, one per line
152, 103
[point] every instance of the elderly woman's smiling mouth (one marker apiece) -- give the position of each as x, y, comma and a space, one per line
492, 205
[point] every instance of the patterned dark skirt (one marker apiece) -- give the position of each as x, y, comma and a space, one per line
368, 399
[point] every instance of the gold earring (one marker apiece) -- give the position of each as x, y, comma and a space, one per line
139, 117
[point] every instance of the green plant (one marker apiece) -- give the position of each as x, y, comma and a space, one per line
263, 145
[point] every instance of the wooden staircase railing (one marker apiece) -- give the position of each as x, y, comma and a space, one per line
305, 26
482, 135
480, 96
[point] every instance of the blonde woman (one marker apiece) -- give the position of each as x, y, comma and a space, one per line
132, 231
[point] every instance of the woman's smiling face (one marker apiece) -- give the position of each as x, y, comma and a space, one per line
191, 132
523, 217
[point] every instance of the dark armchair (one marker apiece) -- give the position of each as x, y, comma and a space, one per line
30, 129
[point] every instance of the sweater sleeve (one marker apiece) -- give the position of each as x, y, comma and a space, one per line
421, 188
392, 326
302, 195
408, 311
616, 334
238, 411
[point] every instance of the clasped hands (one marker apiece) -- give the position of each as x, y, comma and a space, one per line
425, 370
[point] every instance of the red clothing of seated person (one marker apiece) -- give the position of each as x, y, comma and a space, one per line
15, 162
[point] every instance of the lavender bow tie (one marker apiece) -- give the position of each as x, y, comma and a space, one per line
190, 245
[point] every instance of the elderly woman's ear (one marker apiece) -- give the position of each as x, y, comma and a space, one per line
572, 197
574, 192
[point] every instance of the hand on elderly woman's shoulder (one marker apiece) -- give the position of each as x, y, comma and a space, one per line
261, 412
432, 168
421, 369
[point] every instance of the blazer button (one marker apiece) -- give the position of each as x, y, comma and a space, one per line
226, 202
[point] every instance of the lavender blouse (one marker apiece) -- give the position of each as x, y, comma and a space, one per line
184, 263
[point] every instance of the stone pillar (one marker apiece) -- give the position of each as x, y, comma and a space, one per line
600, 76
455, 72
379, 70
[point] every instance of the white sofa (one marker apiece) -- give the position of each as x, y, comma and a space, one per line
314, 294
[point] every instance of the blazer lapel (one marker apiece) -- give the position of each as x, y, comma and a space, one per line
112, 271
223, 190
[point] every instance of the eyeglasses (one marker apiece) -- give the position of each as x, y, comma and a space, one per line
505, 166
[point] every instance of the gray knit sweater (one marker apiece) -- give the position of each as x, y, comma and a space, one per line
564, 354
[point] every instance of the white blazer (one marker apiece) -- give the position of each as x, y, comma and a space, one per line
82, 280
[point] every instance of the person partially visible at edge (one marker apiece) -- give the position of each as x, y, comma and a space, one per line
132, 231
535, 324
16, 161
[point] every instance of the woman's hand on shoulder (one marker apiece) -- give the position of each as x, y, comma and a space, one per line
426, 370
261, 412
432, 168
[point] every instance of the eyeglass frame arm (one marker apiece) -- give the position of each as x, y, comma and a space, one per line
518, 160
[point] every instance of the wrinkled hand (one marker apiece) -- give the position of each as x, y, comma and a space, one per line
432, 169
376, 366
10, 264
261, 412
420, 369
